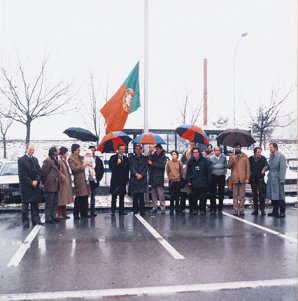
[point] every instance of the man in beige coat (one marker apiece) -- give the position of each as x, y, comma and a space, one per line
240, 173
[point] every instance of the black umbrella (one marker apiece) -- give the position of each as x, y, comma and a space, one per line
231, 136
80, 134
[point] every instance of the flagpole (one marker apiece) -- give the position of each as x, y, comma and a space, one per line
146, 26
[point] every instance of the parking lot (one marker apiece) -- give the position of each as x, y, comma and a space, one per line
155, 258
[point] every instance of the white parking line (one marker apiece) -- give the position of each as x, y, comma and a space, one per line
160, 239
18, 256
155, 290
261, 227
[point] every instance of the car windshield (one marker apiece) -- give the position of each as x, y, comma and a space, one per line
9, 169
292, 164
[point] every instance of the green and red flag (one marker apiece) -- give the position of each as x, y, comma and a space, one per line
126, 100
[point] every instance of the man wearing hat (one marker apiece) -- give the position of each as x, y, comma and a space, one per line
81, 189
157, 165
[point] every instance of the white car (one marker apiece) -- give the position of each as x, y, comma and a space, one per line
9, 181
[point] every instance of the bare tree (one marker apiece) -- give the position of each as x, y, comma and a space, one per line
269, 117
222, 122
33, 99
5, 124
187, 112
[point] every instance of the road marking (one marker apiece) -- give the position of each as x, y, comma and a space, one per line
160, 239
18, 256
261, 227
155, 290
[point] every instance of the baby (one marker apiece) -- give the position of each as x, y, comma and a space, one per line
90, 169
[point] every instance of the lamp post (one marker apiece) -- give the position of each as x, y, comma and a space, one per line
244, 34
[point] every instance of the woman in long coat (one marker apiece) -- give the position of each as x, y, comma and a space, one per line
65, 195
276, 181
81, 190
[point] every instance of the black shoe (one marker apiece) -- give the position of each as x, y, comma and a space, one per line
76, 217
143, 214
135, 212
112, 213
282, 215
272, 214
242, 214
171, 212
212, 212
202, 213
255, 212
93, 214
263, 213
195, 212
86, 216
219, 212
51, 221
235, 213
122, 213
26, 225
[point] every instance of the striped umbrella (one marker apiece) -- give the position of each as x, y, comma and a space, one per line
148, 138
110, 142
192, 133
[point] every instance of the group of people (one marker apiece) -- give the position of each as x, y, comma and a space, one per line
196, 176
55, 176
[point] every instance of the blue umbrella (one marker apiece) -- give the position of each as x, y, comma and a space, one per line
149, 138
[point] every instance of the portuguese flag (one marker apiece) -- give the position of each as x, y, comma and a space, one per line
126, 100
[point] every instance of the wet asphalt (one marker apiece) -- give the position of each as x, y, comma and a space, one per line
119, 252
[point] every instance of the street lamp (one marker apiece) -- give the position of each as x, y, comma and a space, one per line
244, 34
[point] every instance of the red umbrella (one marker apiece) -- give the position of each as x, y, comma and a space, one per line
110, 142
192, 133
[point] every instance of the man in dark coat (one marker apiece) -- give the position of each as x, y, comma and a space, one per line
119, 164
258, 166
29, 177
99, 170
138, 180
198, 177
276, 181
51, 178
157, 165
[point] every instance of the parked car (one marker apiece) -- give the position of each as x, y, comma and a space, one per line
9, 182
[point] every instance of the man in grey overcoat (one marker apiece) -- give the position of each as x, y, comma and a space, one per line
276, 181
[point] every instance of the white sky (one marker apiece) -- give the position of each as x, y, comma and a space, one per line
107, 38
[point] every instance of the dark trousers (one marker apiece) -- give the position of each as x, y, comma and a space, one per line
34, 213
138, 202
121, 203
81, 206
183, 197
174, 188
258, 193
51, 205
279, 207
198, 194
218, 182
93, 187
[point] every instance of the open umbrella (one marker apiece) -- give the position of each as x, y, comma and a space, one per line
110, 142
80, 134
231, 136
192, 133
149, 138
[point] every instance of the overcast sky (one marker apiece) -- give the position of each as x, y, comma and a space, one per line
107, 39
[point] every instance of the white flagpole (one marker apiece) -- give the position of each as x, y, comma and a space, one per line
146, 26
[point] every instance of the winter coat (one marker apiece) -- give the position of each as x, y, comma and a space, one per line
29, 171
184, 159
256, 167
120, 175
276, 176
199, 172
99, 169
138, 165
65, 194
157, 169
50, 174
240, 168
76, 165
